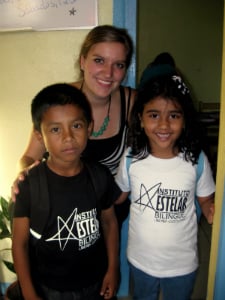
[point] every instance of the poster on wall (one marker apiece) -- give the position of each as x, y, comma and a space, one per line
42, 15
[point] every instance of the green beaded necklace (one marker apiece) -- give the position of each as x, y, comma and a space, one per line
106, 120
104, 124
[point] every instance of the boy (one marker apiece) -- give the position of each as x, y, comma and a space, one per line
76, 254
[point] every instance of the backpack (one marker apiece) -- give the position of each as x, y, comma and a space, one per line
40, 206
39, 209
200, 167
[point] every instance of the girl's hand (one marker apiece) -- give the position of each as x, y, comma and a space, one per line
208, 207
20, 177
210, 213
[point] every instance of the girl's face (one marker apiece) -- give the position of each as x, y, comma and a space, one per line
163, 121
64, 131
104, 68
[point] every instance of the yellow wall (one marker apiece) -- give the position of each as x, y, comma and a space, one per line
28, 62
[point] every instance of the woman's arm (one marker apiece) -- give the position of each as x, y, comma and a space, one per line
33, 152
111, 236
20, 250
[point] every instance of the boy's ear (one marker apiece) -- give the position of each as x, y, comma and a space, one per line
39, 136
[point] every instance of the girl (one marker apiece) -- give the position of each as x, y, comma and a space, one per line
164, 146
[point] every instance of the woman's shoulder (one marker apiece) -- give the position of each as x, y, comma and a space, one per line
76, 84
129, 91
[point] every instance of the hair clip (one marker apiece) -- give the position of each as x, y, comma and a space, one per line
180, 84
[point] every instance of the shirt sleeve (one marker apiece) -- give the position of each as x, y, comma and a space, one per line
122, 177
205, 184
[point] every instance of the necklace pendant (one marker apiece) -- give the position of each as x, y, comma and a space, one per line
102, 128
104, 124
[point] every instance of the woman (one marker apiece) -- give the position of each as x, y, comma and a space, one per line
105, 56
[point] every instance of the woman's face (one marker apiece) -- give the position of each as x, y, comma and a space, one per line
104, 68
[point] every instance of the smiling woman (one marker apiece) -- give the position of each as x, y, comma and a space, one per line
104, 58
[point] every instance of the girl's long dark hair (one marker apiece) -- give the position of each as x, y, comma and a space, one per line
190, 141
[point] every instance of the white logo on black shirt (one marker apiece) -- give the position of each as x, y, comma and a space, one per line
83, 227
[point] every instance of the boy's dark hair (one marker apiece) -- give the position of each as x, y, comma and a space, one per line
58, 94
171, 88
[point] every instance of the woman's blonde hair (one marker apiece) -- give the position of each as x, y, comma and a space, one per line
107, 33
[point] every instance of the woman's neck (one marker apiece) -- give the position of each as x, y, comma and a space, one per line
93, 99
100, 107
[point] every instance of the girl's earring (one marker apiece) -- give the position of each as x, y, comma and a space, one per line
141, 128
141, 123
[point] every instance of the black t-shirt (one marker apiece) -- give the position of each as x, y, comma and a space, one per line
71, 253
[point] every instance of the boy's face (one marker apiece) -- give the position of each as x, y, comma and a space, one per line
65, 131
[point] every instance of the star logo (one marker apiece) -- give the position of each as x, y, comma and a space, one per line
146, 196
65, 228
72, 11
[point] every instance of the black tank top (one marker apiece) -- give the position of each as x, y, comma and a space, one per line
110, 150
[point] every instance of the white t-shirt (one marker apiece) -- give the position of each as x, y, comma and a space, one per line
162, 239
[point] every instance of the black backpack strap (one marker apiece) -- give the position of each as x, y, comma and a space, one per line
98, 179
39, 198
